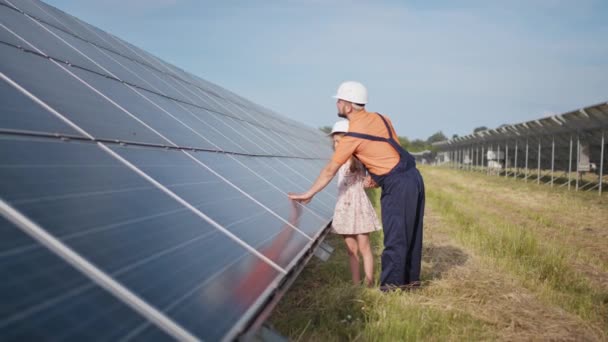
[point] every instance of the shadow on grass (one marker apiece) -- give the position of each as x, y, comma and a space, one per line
441, 259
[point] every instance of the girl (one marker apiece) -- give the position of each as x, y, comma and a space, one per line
354, 216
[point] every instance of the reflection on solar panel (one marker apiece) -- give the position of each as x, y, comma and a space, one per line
138, 201
555, 147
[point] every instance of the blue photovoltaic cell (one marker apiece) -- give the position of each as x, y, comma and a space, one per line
19, 112
43, 296
52, 16
37, 10
274, 199
307, 171
33, 33
220, 201
127, 49
156, 115
110, 64
254, 135
148, 78
213, 127
153, 80
109, 42
72, 99
131, 230
283, 178
185, 90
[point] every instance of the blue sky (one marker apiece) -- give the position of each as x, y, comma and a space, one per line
429, 65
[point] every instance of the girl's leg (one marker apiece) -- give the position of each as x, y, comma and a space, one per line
368, 258
353, 256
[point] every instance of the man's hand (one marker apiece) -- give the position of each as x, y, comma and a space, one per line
303, 198
369, 182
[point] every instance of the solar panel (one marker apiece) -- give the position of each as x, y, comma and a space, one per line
47, 297
21, 113
137, 200
570, 143
78, 103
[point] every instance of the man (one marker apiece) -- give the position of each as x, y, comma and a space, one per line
373, 140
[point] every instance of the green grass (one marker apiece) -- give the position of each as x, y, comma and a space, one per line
542, 265
543, 268
503, 260
324, 306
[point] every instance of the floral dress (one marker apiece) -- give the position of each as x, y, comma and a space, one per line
354, 213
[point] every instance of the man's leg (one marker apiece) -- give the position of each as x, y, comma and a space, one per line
414, 223
395, 239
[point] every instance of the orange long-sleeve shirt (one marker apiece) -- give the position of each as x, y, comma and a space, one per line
379, 157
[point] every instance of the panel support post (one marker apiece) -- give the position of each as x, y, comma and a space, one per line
527, 148
578, 155
506, 158
602, 164
498, 158
552, 159
474, 149
538, 168
483, 153
266, 333
491, 149
479, 157
452, 159
570, 165
516, 169
323, 251
471, 153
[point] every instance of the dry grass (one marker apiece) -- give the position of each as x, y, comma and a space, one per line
503, 260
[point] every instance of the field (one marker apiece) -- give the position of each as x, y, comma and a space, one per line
503, 260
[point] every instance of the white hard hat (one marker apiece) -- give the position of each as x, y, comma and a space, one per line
352, 91
340, 127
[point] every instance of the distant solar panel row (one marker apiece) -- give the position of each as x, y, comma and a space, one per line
586, 120
569, 142
138, 201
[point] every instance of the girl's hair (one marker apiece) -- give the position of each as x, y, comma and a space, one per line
355, 164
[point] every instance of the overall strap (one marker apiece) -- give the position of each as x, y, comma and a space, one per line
388, 140
402, 152
388, 128
404, 157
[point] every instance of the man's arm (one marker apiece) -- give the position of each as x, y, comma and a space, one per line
326, 175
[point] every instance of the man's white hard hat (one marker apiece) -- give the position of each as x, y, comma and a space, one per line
352, 91
340, 126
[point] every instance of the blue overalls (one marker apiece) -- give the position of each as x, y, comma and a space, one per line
402, 204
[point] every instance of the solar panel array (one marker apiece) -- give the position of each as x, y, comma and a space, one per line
138, 201
561, 142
